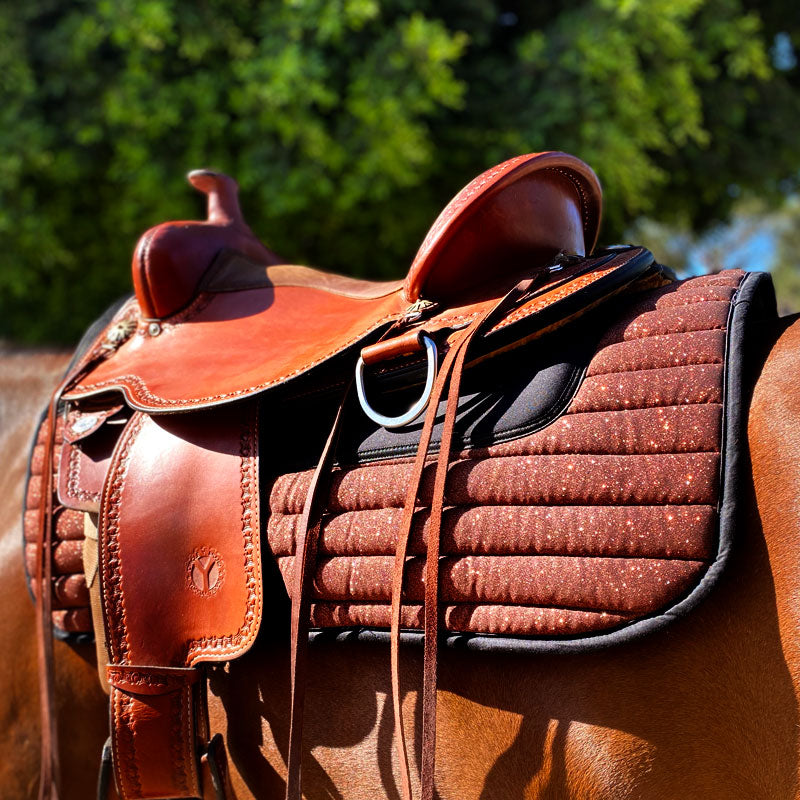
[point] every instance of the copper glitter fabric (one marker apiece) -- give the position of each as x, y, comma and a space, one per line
471, 618
632, 585
71, 612
606, 515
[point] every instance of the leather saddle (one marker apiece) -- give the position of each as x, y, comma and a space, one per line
518, 447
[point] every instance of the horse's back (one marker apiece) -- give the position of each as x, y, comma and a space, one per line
706, 708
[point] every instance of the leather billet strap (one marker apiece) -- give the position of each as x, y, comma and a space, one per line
167, 706
181, 579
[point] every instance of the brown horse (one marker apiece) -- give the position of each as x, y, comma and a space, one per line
705, 709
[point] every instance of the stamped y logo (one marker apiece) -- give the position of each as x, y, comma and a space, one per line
205, 571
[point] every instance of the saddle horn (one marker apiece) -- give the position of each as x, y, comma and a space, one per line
223, 196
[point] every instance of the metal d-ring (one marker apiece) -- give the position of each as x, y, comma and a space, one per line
418, 407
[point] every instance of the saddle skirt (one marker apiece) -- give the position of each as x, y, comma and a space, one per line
560, 428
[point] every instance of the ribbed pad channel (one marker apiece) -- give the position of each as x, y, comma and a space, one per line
70, 595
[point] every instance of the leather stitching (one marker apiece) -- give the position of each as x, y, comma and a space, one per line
143, 260
201, 302
134, 382
189, 763
149, 678
74, 476
579, 188
180, 738
113, 601
236, 643
459, 202
128, 382
493, 175
127, 768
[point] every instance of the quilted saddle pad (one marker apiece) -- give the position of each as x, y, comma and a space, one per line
593, 497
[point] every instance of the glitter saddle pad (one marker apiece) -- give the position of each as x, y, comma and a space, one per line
598, 501
594, 496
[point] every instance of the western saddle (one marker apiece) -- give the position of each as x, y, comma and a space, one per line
161, 437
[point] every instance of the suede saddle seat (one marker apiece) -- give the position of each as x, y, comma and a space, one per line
558, 426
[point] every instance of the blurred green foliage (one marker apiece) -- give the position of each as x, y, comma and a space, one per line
350, 123
758, 235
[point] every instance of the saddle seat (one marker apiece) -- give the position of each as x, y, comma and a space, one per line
219, 318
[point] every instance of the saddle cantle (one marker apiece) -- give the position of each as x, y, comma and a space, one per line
532, 445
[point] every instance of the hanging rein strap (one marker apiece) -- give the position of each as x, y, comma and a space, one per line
304, 561
451, 371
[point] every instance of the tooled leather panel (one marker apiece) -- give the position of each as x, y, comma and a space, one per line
90, 437
181, 583
170, 538
70, 598
152, 729
152, 716
604, 516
